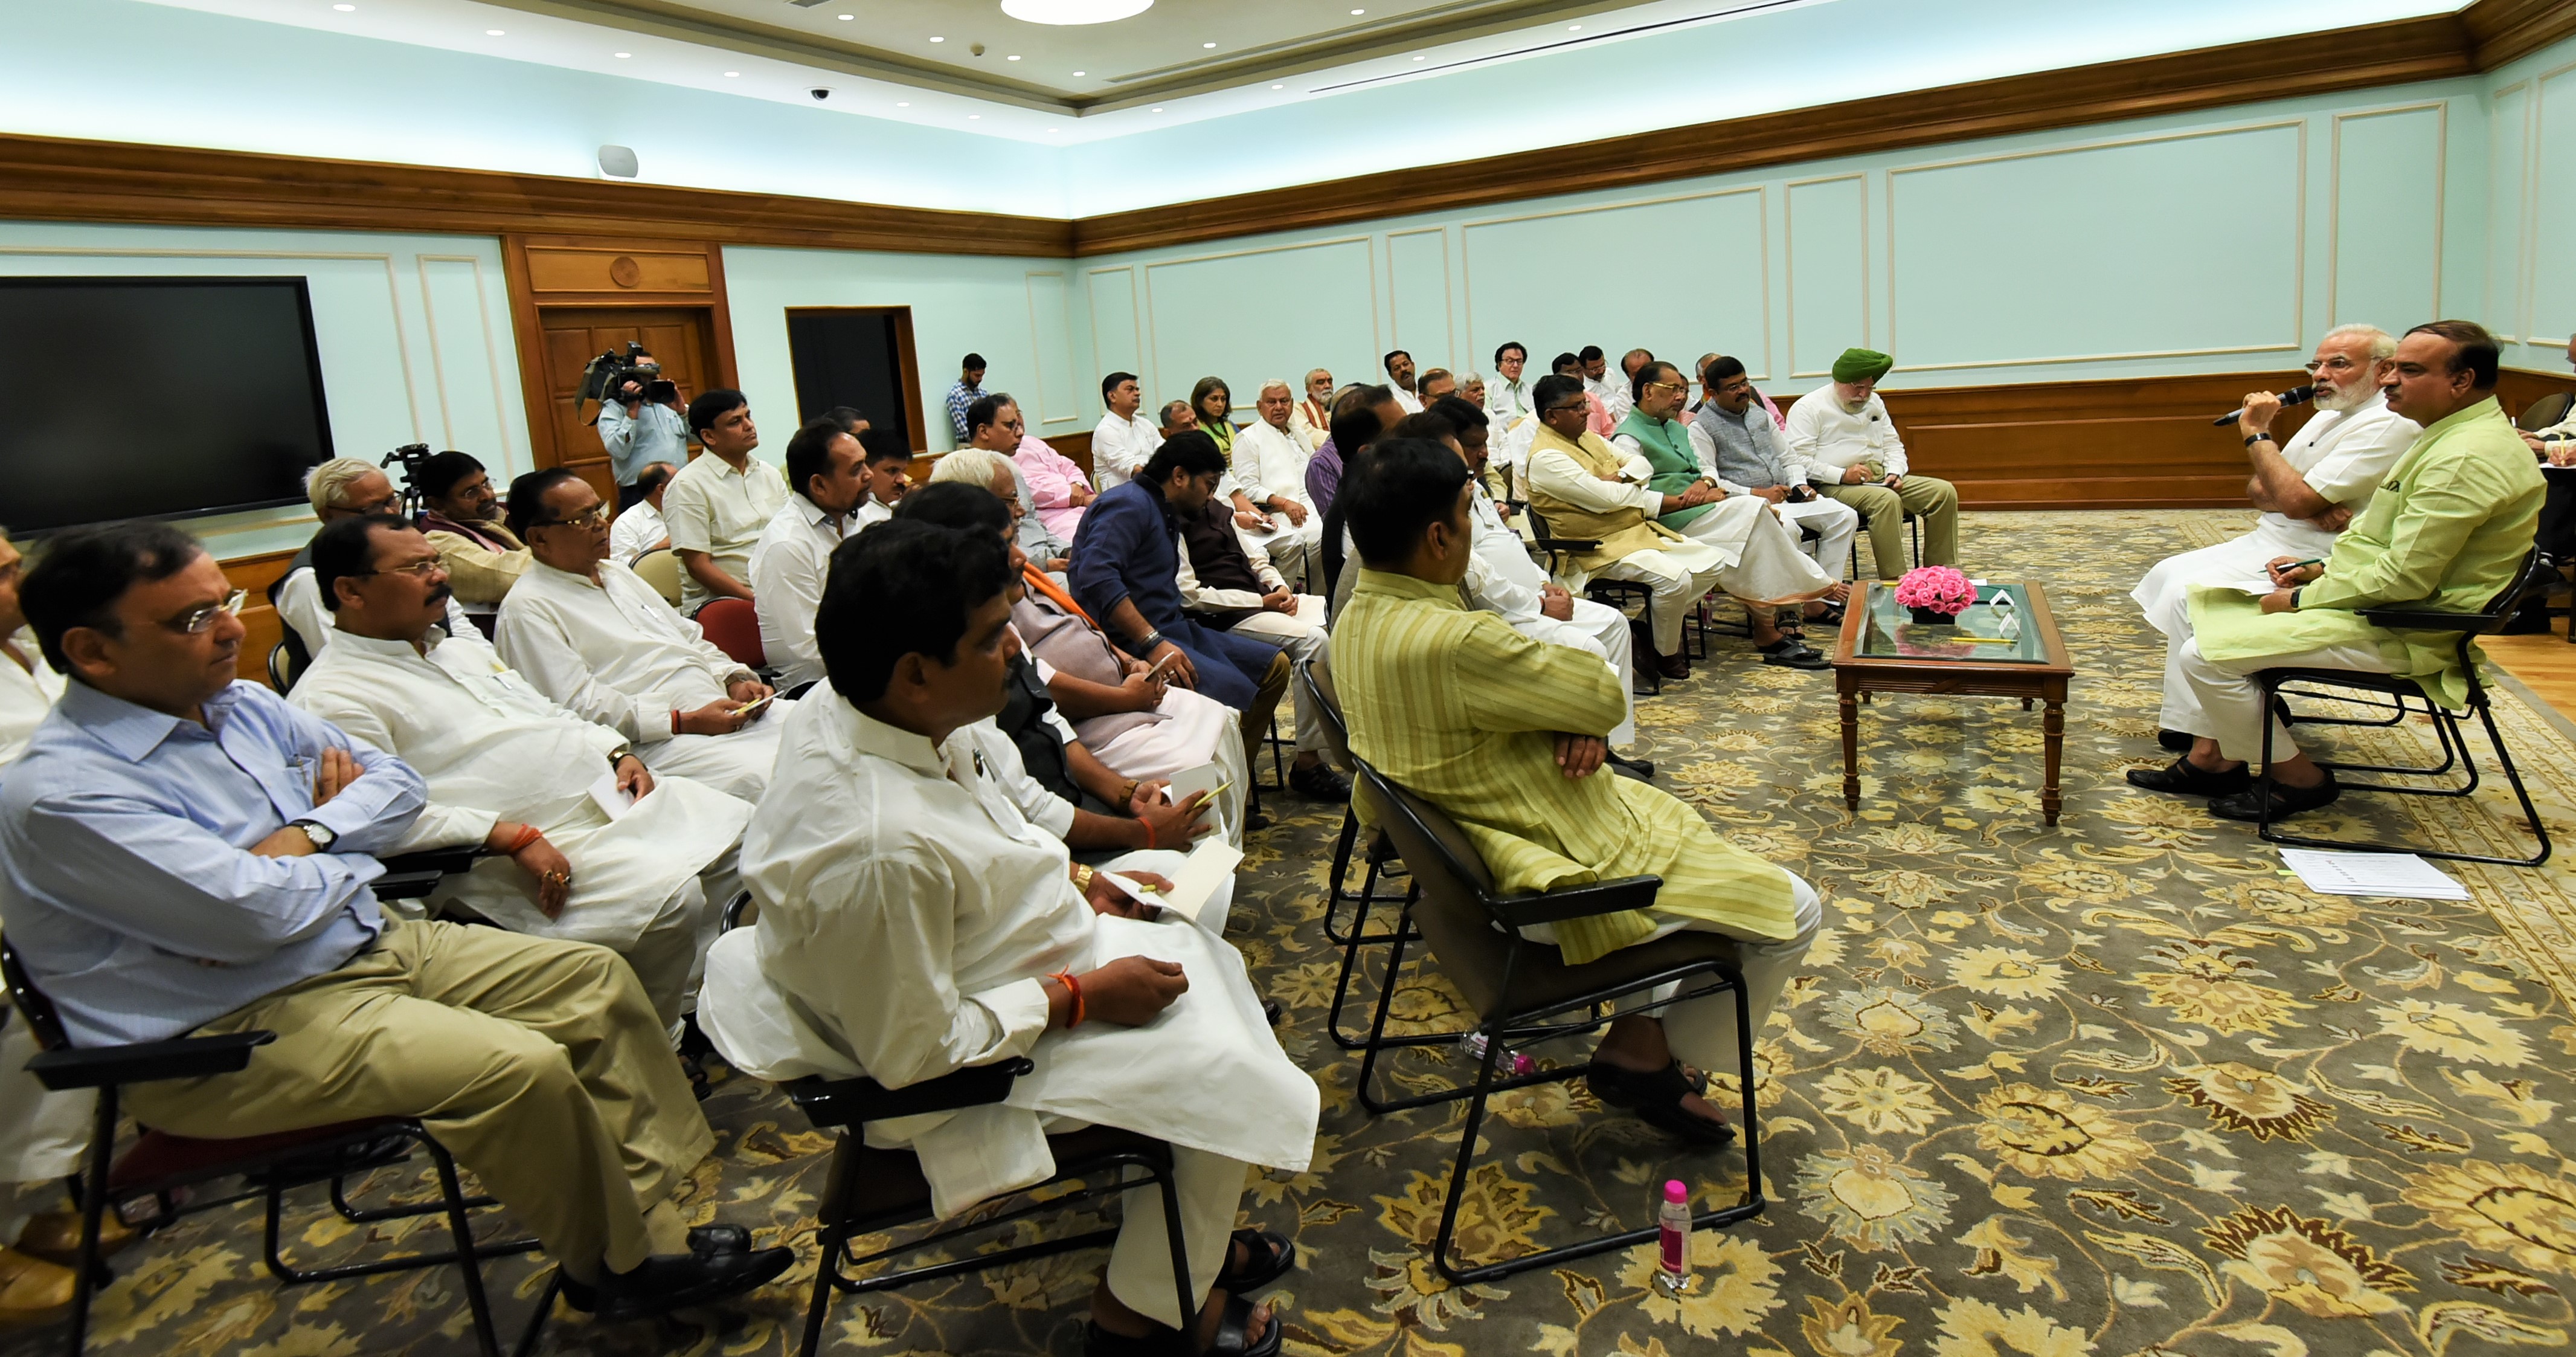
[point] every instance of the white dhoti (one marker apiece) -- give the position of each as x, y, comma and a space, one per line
1604, 631
2223, 702
1766, 565
737, 764
1702, 1031
1291, 549
1302, 635
1196, 729
1835, 525
2164, 595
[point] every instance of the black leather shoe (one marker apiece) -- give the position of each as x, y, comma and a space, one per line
711, 1271
2286, 801
1319, 782
2182, 779
2174, 741
1639, 769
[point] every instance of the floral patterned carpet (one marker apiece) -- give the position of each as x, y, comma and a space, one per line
2117, 1087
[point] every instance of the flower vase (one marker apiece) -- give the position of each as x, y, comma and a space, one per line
1931, 617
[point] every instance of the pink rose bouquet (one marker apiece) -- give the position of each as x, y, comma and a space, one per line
1936, 588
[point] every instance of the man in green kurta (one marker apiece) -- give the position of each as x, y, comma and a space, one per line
1504, 734
2447, 531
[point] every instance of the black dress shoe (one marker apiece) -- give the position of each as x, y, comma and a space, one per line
1673, 666
1319, 782
2174, 741
1791, 653
2183, 779
2286, 801
717, 1265
1640, 769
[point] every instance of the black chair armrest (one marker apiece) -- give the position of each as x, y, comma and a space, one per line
2424, 619
145, 1061
852, 1102
409, 876
1566, 543
1578, 902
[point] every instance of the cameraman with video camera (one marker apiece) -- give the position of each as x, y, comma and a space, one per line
643, 421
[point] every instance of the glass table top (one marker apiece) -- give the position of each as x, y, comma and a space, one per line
1999, 628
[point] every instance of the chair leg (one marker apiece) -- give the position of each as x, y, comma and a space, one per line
1189, 1302
1360, 937
829, 1263
1385, 1002
102, 1151
463, 1231
1749, 1132
2513, 778
1466, 1160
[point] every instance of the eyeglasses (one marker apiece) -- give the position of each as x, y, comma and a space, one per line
1564, 406
195, 621
1668, 386
2335, 364
596, 517
419, 570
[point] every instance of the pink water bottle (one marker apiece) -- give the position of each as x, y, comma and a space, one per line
1672, 1271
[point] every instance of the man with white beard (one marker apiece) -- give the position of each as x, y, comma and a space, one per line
2308, 490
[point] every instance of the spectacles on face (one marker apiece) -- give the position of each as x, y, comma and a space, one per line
197, 621
2338, 363
594, 517
1668, 386
1568, 407
420, 570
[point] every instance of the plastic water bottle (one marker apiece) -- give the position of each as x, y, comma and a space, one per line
1512, 1062
1672, 1270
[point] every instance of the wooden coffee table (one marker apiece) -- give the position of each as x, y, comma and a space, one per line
1881, 651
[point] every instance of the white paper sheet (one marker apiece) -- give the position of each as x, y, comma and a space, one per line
2256, 587
1194, 884
610, 797
1207, 777
2390, 876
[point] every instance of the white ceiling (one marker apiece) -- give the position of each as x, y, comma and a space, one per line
1293, 90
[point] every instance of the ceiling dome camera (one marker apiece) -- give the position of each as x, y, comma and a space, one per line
820, 92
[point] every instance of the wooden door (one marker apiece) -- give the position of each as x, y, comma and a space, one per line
680, 337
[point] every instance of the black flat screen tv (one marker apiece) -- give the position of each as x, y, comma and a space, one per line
155, 398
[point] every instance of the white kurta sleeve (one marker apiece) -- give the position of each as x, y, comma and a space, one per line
531, 640
1561, 477
1805, 437
440, 825
1200, 597
893, 916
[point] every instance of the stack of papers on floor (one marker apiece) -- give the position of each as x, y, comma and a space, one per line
2389, 876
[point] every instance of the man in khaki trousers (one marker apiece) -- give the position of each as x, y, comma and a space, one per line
183, 853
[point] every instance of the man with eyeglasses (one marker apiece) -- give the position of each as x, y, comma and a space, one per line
1765, 570
342, 488
596, 638
513, 774
182, 853
2308, 488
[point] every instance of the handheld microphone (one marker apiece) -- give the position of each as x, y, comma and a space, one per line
2297, 395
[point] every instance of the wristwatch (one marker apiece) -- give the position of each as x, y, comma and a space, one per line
321, 835
2253, 438
620, 754
2294, 600
1152, 639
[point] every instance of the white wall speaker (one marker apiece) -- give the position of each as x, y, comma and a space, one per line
617, 162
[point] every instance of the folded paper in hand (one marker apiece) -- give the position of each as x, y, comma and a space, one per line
610, 797
1208, 866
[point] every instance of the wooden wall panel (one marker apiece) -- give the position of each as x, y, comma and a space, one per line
264, 627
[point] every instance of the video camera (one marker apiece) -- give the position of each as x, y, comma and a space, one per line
410, 455
608, 374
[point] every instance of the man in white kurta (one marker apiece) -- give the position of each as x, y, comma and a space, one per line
501, 759
913, 922
827, 476
42, 1133
603, 643
639, 527
1123, 439
1270, 468
2308, 488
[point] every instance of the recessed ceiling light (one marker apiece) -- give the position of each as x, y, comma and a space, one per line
346, 9
845, 18
1279, 87
494, 33
974, 117
1208, 45
903, 103
729, 75
1422, 58
1079, 74
938, 39
624, 55
1158, 110
1574, 28
1359, 11
1073, 11
1013, 57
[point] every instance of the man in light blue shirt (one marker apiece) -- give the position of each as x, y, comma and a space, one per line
182, 852
638, 433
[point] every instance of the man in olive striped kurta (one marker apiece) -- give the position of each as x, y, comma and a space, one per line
1504, 734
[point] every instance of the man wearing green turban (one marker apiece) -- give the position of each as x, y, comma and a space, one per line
1852, 453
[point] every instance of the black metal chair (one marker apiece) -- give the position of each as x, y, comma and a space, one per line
1523, 992
159, 1164
2396, 699
286, 663
874, 1191
1317, 677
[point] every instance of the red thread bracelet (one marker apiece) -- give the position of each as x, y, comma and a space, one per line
1149, 830
528, 834
1073, 988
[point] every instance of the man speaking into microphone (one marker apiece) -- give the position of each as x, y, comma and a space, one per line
2308, 488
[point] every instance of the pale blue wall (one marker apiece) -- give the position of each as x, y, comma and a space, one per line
414, 333
2530, 207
